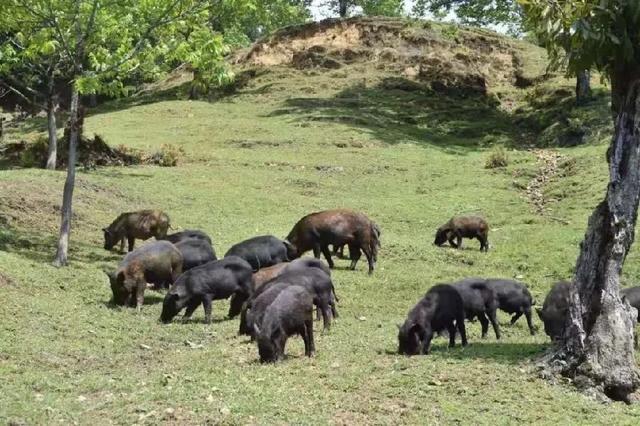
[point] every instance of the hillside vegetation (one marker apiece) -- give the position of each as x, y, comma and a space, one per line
394, 118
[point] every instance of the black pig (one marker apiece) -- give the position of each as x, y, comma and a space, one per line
219, 279
440, 309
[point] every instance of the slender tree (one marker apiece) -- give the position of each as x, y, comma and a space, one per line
30, 67
100, 44
597, 347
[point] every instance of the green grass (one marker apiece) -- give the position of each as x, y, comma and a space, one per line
287, 144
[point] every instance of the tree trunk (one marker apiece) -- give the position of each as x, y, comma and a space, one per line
597, 346
343, 6
52, 127
583, 87
75, 123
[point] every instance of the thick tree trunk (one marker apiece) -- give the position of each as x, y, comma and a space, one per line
52, 127
343, 6
583, 87
597, 347
75, 122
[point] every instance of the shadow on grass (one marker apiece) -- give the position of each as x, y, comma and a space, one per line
41, 248
148, 301
503, 352
399, 110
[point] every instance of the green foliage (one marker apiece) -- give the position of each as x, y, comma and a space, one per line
505, 13
583, 34
101, 45
243, 21
371, 7
381, 7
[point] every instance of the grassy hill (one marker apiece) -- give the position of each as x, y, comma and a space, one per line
346, 124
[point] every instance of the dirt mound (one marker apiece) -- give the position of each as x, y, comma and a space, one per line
445, 56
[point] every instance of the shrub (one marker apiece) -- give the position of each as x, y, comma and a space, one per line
167, 156
497, 158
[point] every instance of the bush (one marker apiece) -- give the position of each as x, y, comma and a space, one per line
167, 156
497, 158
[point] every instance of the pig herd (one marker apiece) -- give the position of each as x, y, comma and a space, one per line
270, 286
275, 291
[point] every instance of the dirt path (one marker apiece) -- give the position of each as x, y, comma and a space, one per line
547, 169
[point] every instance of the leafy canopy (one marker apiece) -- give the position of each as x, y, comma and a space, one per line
582, 34
100, 45
504, 13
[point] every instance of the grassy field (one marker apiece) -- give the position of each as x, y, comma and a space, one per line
288, 143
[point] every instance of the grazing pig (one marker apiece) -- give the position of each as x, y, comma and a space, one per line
267, 274
259, 306
464, 227
158, 262
555, 309
261, 252
633, 297
440, 309
195, 252
176, 237
142, 225
316, 281
513, 298
317, 231
290, 313
479, 301
215, 280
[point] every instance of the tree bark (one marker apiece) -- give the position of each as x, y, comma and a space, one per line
583, 87
343, 6
75, 122
52, 127
597, 346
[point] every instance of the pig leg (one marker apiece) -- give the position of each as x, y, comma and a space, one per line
426, 337
244, 328
131, 241
235, 307
207, 305
191, 306
309, 344
484, 243
527, 314
122, 245
515, 317
484, 323
142, 285
326, 318
327, 255
494, 323
461, 329
452, 334
316, 251
452, 241
318, 313
334, 311
370, 260
459, 241
354, 252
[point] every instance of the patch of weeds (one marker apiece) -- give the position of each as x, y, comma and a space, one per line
167, 156
498, 157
